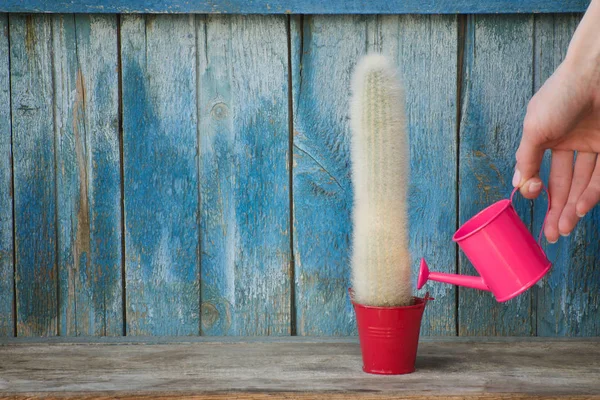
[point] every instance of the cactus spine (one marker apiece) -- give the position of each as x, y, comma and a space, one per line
380, 172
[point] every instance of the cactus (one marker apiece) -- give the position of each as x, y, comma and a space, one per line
381, 260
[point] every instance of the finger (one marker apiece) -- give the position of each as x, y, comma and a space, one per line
591, 195
582, 174
561, 174
529, 160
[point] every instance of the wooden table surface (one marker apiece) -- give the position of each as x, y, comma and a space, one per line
295, 368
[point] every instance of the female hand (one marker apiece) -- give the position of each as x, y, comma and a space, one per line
564, 117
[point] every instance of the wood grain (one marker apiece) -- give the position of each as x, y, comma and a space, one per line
497, 86
88, 177
244, 175
324, 52
7, 276
463, 369
32, 99
296, 396
295, 7
568, 300
160, 149
425, 50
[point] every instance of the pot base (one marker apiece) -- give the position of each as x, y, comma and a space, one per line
388, 372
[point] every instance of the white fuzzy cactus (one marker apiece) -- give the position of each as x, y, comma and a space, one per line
381, 260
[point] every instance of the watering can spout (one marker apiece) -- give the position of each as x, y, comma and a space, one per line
474, 282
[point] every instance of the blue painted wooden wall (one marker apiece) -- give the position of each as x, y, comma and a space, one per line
189, 174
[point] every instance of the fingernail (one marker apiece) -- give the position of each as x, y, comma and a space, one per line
581, 215
516, 181
535, 186
565, 234
552, 241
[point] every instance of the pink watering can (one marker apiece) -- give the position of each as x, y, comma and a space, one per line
501, 249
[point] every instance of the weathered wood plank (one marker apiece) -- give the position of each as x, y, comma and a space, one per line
497, 86
324, 52
294, 7
160, 147
300, 396
471, 368
568, 300
88, 177
34, 174
177, 340
244, 175
425, 49
7, 276
325, 47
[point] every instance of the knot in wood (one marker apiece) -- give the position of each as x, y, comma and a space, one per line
209, 316
219, 111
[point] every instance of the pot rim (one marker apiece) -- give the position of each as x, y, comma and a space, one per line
419, 302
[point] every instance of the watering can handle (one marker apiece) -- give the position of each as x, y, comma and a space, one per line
547, 210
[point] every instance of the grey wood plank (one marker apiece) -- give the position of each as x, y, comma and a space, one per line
7, 276
568, 299
253, 395
160, 148
424, 48
88, 174
244, 175
497, 86
324, 52
468, 369
32, 101
151, 340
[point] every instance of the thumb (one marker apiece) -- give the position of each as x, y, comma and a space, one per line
529, 160
551, 114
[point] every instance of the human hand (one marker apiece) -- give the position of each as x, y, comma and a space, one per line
564, 117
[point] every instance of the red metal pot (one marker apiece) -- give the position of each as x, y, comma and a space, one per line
389, 336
